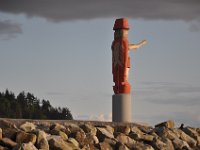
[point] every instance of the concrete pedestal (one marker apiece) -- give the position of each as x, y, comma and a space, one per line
121, 108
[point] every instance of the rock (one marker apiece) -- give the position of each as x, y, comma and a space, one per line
7, 124
112, 142
73, 141
102, 133
167, 124
109, 129
26, 146
71, 129
3, 148
158, 144
23, 137
160, 131
27, 126
57, 143
180, 144
141, 146
143, 137
88, 128
171, 135
80, 137
58, 126
186, 138
9, 133
198, 130
60, 133
145, 129
122, 147
0, 133
105, 146
42, 142
8, 142
169, 144
124, 139
123, 129
192, 133
135, 129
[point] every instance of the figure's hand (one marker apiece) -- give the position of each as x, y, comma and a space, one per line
144, 42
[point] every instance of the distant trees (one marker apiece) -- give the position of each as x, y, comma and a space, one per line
27, 106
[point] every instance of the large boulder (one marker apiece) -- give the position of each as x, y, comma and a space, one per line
27, 126
3, 148
0, 133
167, 124
88, 128
25, 146
102, 133
57, 143
192, 133
42, 142
8, 142
60, 133
23, 137
126, 140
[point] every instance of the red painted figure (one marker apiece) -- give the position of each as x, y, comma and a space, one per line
120, 56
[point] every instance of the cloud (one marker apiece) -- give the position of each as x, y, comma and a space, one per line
9, 29
62, 10
169, 93
99, 117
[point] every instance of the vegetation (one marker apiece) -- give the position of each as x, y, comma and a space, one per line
27, 106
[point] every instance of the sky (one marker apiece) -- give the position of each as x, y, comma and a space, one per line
60, 50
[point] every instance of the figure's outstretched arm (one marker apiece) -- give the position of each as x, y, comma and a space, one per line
136, 46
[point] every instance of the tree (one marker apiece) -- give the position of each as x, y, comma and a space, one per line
28, 106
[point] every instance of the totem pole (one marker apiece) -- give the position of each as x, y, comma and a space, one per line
121, 100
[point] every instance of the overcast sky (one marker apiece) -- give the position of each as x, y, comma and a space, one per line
60, 50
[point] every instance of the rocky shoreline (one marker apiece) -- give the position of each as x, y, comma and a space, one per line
19, 134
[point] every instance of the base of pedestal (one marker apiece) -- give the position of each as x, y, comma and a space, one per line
121, 108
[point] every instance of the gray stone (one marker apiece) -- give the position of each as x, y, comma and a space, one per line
88, 128
57, 143
186, 138
42, 142
180, 144
141, 146
124, 139
26, 146
58, 127
27, 126
135, 129
23, 137
109, 129
123, 129
122, 147
3, 148
167, 124
192, 133
0, 133
105, 146
169, 144
73, 141
111, 142
143, 137
8, 142
102, 133
9, 133
60, 133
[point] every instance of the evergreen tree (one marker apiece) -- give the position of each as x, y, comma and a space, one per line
27, 106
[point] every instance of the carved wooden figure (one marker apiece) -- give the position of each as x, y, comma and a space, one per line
120, 56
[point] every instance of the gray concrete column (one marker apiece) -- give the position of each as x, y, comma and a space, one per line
121, 108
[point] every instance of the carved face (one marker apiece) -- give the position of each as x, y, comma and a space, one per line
121, 33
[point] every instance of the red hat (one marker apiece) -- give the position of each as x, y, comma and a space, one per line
121, 23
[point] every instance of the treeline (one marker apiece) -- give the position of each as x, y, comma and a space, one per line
27, 106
